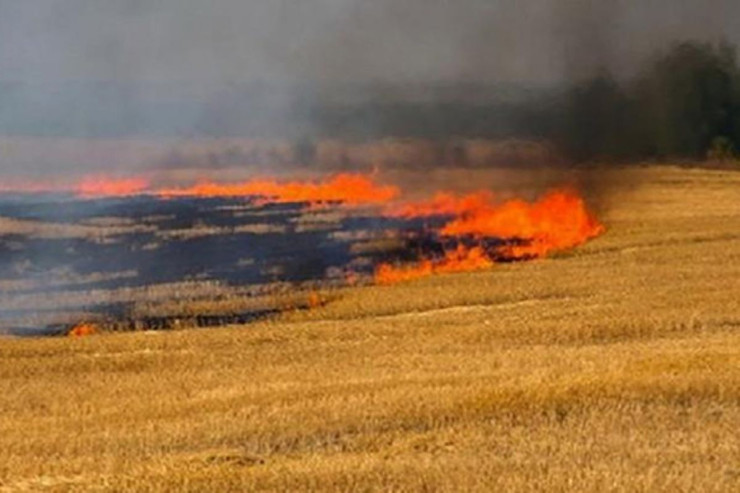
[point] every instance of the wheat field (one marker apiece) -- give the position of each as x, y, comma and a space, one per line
614, 367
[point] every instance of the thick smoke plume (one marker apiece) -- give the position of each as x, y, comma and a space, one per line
98, 87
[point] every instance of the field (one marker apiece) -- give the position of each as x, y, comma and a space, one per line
613, 367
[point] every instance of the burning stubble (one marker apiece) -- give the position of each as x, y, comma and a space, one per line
132, 96
320, 227
512, 230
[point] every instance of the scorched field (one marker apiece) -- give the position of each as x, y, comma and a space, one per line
537, 337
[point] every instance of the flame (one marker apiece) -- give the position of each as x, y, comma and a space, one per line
461, 259
83, 330
103, 186
347, 188
314, 300
89, 186
443, 204
26, 187
558, 221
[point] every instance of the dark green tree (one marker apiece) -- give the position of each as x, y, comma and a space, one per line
688, 98
594, 125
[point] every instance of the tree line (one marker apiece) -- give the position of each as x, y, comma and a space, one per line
685, 104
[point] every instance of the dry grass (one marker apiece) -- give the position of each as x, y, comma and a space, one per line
201, 230
613, 368
100, 230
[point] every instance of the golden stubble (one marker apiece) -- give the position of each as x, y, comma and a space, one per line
615, 367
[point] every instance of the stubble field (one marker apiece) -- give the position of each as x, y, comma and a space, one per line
614, 367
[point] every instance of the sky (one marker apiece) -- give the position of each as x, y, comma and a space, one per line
208, 44
92, 69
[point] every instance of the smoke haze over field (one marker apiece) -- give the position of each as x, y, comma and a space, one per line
155, 69
207, 44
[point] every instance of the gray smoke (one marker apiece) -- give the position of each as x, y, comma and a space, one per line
163, 69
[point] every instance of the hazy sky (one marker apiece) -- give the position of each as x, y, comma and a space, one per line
92, 69
213, 42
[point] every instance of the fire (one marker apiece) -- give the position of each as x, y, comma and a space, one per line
103, 186
558, 221
483, 229
26, 187
461, 259
87, 187
314, 300
347, 188
443, 204
83, 330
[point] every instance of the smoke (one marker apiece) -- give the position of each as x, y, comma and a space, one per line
146, 72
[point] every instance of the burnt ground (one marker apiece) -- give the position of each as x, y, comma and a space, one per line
85, 258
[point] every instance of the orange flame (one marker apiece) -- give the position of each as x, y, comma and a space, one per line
103, 186
83, 330
314, 300
87, 187
16, 186
462, 259
558, 221
443, 204
348, 188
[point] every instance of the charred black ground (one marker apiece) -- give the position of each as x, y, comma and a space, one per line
87, 258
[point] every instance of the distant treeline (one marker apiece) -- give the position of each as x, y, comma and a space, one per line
684, 104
